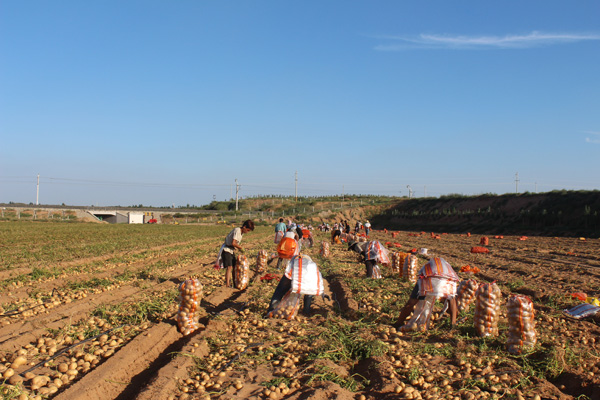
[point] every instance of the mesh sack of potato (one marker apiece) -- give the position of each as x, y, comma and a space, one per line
190, 295
278, 237
362, 239
324, 249
419, 320
521, 324
395, 266
401, 258
376, 272
409, 270
376, 251
261, 261
487, 309
287, 308
187, 323
466, 293
242, 272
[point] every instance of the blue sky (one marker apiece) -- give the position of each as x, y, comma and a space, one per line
161, 103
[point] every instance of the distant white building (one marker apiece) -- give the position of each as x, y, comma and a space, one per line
136, 218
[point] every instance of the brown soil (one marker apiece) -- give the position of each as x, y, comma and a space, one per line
157, 362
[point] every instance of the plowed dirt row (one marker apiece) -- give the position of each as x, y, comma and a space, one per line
25, 330
347, 349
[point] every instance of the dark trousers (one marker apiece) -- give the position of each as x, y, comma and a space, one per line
369, 264
284, 285
229, 262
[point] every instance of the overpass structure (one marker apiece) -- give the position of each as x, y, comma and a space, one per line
120, 217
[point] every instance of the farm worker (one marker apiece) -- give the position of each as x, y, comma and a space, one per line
308, 277
358, 247
232, 243
280, 229
367, 227
436, 278
374, 252
357, 227
335, 235
347, 226
299, 231
307, 236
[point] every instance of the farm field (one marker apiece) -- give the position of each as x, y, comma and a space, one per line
87, 312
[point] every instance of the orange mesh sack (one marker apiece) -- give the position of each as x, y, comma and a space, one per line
484, 241
487, 309
409, 271
521, 324
324, 249
242, 272
190, 295
466, 293
287, 248
287, 308
261, 261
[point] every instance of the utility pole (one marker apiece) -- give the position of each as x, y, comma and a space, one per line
237, 191
296, 186
517, 183
37, 197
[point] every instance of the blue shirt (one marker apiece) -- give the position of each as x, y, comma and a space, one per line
280, 227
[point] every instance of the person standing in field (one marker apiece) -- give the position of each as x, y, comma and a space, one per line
232, 243
280, 229
367, 228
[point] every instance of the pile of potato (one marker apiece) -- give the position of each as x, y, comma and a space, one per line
521, 324
466, 293
324, 249
410, 269
487, 309
190, 295
242, 272
261, 261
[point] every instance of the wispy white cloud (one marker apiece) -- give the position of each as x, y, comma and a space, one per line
462, 42
592, 139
